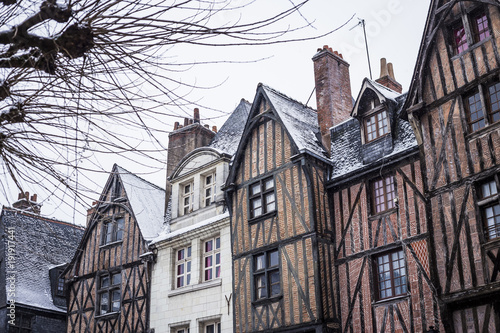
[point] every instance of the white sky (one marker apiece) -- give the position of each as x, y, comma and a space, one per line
394, 30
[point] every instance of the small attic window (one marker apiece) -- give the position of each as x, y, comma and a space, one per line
376, 126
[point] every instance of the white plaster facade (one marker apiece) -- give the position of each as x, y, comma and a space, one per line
201, 305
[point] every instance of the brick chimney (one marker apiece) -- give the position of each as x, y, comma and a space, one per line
387, 76
24, 202
333, 90
184, 139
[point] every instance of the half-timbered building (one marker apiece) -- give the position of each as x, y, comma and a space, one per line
282, 254
108, 280
192, 275
378, 219
453, 106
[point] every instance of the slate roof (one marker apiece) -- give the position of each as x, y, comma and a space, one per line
300, 121
228, 137
147, 202
41, 244
346, 143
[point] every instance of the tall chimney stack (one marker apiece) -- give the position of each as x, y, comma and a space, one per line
333, 91
387, 76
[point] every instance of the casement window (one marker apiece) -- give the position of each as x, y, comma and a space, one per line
383, 194
187, 198
209, 189
212, 327
266, 275
211, 259
376, 126
489, 205
22, 323
482, 106
262, 199
390, 271
60, 284
183, 267
113, 230
462, 38
109, 293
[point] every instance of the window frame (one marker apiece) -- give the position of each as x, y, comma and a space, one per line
266, 271
468, 22
187, 266
20, 322
215, 323
376, 124
114, 233
486, 202
212, 187
109, 290
214, 269
486, 101
60, 290
263, 193
376, 265
185, 209
386, 201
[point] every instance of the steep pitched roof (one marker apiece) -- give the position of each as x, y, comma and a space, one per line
41, 244
384, 93
227, 138
346, 144
300, 121
146, 200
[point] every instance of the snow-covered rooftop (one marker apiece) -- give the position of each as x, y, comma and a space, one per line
41, 244
147, 201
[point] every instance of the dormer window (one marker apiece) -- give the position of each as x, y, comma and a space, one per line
187, 198
376, 126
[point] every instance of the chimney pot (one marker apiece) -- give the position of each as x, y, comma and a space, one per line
186, 121
214, 129
20, 196
206, 126
325, 47
383, 67
390, 69
196, 115
33, 197
176, 125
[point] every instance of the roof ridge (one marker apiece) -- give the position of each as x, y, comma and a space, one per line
39, 217
140, 178
286, 96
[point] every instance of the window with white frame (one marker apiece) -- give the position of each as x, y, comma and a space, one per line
209, 189
489, 205
183, 267
183, 329
187, 198
211, 259
262, 199
212, 327
109, 293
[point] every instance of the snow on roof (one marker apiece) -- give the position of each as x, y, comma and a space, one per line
346, 143
300, 121
41, 244
166, 234
228, 137
386, 92
147, 201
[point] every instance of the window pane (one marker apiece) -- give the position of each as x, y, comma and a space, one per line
255, 189
208, 246
270, 202
208, 261
488, 189
115, 306
188, 266
208, 274
217, 243
460, 39
117, 279
210, 329
269, 184
260, 286
481, 27
494, 98
104, 302
492, 215
180, 282
476, 114
187, 189
104, 281
208, 180
180, 254
217, 259
273, 259
259, 262
189, 252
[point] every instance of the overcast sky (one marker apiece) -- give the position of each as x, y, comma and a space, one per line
394, 31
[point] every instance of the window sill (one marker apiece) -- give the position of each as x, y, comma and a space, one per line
106, 315
112, 244
263, 217
376, 139
264, 301
195, 287
394, 299
490, 244
485, 130
382, 214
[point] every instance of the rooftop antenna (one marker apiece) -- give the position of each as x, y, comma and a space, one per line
362, 23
